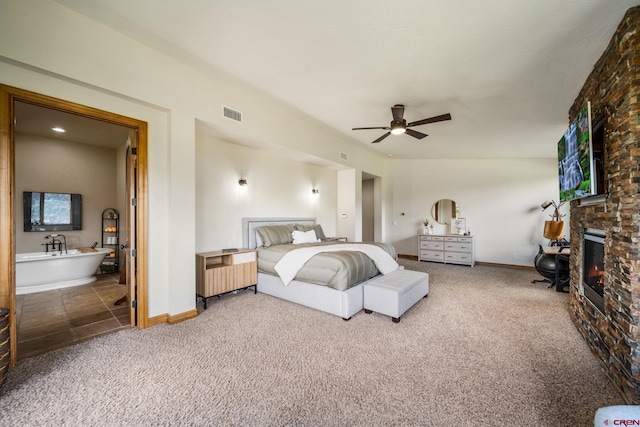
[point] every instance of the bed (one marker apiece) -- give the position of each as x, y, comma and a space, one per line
329, 281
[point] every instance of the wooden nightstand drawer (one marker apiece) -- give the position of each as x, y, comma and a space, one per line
241, 258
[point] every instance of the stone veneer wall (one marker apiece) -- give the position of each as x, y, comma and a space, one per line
613, 88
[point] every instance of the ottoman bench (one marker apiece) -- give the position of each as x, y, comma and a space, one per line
394, 293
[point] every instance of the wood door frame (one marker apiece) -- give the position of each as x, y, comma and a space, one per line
130, 231
8, 96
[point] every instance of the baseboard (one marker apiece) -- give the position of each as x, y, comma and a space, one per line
177, 318
495, 264
158, 320
490, 264
172, 318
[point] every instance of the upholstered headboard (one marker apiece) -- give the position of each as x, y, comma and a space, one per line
249, 227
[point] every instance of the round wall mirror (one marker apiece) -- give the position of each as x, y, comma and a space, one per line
443, 210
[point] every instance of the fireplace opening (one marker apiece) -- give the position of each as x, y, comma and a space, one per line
593, 267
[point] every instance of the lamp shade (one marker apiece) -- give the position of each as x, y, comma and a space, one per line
553, 230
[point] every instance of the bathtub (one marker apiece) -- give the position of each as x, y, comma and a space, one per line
39, 271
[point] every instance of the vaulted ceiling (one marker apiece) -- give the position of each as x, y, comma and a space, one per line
507, 71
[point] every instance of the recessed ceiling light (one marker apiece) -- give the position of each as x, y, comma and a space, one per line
60, 130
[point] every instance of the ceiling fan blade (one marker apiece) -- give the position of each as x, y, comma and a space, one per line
398, 112
415, 133
378, 127
431, 120
382, 137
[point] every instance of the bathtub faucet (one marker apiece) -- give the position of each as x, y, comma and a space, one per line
56, 242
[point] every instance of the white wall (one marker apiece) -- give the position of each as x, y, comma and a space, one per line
49, 49
41, 82
500, 200
276, 187
349, 213
46, 48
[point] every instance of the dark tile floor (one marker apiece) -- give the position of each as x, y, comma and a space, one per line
59, 318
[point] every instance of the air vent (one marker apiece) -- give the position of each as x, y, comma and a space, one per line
343, 156
232, 114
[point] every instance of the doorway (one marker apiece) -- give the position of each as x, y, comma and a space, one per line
135, 242
371, 219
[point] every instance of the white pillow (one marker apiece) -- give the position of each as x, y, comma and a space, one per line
258, 240
300, 237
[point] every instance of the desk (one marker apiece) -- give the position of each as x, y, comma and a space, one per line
555, 250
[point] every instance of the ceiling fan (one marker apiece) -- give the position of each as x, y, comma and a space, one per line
399, 125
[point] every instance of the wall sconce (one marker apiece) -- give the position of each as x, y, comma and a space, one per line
315, 191
242, 182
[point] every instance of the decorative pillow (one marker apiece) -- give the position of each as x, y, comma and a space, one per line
315, 227
258, 240
304, 237
275, 234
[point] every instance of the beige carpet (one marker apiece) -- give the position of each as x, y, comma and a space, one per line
486, 348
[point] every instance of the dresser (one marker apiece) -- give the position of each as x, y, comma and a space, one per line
448, 248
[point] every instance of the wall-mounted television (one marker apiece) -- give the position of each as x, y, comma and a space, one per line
575, 158
52, 211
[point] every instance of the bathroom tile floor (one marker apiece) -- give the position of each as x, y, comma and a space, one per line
59, 318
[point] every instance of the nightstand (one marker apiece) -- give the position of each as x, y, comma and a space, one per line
219, 272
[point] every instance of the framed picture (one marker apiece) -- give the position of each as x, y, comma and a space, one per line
458, 225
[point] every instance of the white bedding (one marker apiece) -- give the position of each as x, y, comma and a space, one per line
293, 261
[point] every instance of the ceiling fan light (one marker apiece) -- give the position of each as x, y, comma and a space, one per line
397, 129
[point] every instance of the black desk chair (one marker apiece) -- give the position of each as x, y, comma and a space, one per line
553, 267
562, 272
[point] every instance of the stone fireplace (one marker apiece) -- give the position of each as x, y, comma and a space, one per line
611, 326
